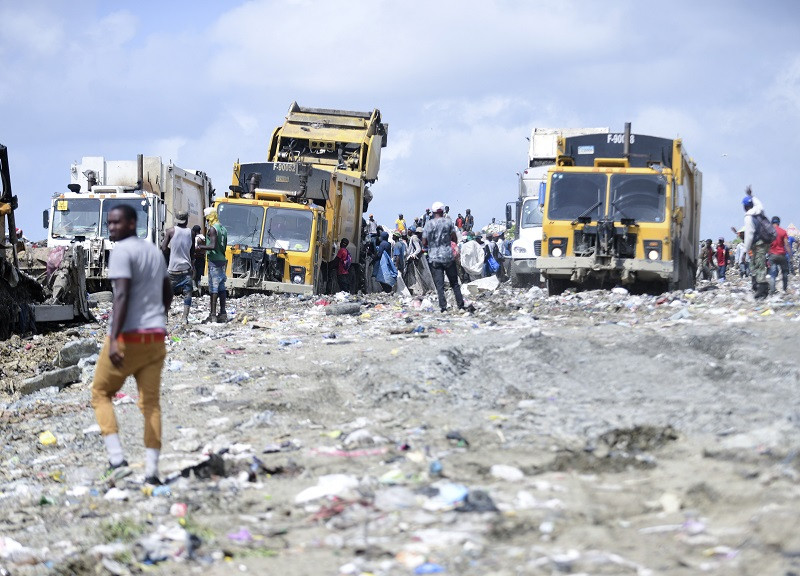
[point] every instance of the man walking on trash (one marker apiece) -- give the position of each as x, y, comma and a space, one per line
439, 232
778, 251
178, 242
707, 260
759, 247
216, 243
135, 343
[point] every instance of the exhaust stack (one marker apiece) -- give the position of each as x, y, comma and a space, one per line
626, 144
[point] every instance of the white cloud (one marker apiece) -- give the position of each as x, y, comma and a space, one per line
460, 82
37, 33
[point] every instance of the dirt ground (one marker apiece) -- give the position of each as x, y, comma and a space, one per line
590, 433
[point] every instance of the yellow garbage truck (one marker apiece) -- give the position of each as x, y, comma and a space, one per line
621, 208
285, 217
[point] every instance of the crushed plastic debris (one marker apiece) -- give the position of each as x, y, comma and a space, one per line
392, 438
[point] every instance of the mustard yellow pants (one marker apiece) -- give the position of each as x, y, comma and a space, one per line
144, 362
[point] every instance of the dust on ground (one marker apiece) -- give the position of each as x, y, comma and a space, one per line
589, 433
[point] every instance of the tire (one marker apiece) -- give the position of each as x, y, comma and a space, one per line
556, 286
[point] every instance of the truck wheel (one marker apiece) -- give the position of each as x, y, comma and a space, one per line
556, 286
521, 280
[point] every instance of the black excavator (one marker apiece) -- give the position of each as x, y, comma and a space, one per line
24, 300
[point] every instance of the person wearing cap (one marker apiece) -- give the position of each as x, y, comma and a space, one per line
757, 245
178, 247
135, 343
437, 236
778, 251
216, 244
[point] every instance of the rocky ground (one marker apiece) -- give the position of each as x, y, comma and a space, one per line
589, 433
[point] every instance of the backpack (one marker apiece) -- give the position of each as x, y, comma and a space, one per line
764, 230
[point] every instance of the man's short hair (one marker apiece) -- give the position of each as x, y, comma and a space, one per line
128, 212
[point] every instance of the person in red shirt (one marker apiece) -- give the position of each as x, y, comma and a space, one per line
722, 259
777, 256
343, 268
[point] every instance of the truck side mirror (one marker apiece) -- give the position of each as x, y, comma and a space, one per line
46, 219
542, 190
508, 215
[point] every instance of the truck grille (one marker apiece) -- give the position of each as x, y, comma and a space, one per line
537, 247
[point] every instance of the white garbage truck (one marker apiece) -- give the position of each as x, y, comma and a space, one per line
157, 190
527, 210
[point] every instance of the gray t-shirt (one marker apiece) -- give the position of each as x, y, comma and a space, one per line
143, 263
437, 231
180, 246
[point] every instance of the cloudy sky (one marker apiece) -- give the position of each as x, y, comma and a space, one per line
461, 84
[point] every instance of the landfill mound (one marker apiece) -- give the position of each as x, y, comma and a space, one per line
588, 433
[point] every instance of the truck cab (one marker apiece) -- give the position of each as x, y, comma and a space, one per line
285, 217
155, 189
273, 245
621, 208
527, 245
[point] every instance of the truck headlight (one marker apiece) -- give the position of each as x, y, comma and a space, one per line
652, 249
557, 247
297, 274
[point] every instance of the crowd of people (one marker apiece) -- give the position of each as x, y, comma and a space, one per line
430, 248
760, 250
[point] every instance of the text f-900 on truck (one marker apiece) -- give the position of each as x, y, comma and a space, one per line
285, 217
621, 208
157, 190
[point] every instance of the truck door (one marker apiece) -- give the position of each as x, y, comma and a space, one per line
321, 272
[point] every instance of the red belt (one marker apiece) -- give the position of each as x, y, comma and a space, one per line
142, 337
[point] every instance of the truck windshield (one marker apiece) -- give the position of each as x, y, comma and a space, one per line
139, 204
76, 217
242, 222
571, 195
531, 215
638, 196
288, 229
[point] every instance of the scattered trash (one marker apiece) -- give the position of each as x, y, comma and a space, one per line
47, 438
344, 308
392, 453
507, 473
